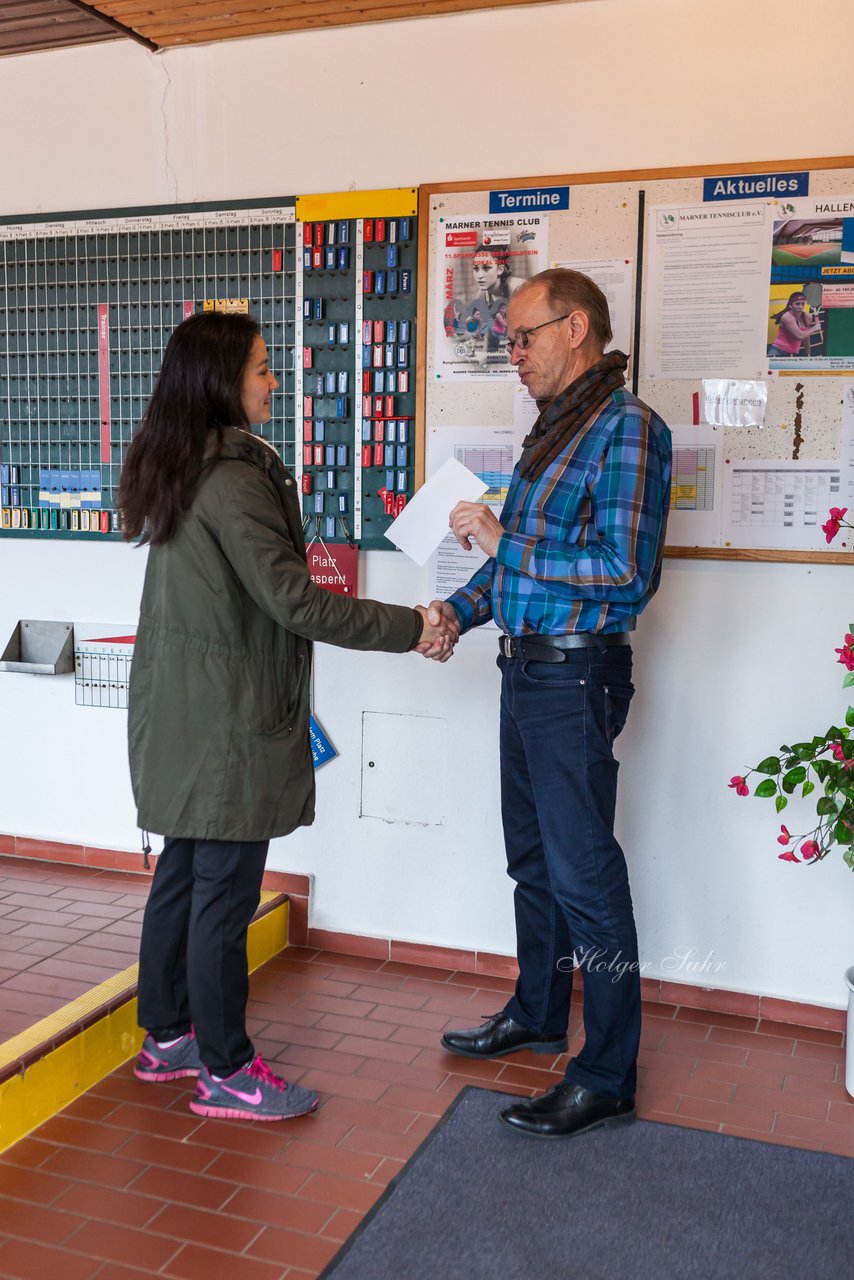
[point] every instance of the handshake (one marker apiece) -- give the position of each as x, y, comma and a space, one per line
441, 630
469, 521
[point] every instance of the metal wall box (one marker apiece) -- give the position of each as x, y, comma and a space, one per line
40, 648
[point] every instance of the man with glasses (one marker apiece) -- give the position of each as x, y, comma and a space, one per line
574, 558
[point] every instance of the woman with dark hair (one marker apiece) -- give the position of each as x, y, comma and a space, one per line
219, 699
794, 327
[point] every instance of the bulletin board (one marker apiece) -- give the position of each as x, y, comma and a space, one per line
88, 302
696, 264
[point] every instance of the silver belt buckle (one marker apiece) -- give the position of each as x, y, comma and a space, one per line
506, 645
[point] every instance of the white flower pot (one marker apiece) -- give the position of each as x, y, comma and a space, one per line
849, 1038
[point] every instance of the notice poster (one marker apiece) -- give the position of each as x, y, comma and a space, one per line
481, 261
779, 505
696, 494
491, 453
707, 296
811, 299
846, 495
615, 277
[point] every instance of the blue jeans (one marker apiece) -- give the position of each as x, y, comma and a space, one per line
572, 897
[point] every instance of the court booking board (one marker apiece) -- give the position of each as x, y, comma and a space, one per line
88, 302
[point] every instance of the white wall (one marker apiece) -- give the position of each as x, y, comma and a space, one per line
731, 659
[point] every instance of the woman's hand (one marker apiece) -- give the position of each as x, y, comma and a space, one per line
441, 631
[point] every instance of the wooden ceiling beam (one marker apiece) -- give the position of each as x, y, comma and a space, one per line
99, 16
205, 22
28, 25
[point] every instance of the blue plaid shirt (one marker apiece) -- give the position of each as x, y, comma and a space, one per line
583, 543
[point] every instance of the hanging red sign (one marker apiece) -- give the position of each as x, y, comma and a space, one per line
335, 566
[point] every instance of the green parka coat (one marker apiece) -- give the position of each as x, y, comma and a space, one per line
219, 689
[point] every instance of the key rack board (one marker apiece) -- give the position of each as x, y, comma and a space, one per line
88, 302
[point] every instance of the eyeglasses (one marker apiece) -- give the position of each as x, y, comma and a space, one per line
523, 336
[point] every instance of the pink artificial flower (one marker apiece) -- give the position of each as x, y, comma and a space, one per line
833, 525
809, 849
846, 653
788, 856
740, 786
785, 837
839, 754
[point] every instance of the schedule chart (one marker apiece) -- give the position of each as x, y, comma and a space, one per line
87, 305
694, 479
782, 497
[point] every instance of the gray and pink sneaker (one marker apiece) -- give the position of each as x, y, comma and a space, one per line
252, 1093
156, 1064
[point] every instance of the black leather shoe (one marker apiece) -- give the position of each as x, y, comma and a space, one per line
566, 1110
499, 1035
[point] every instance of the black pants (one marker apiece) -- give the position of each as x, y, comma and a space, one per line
192, 957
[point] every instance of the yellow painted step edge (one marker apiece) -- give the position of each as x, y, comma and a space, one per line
50, 1083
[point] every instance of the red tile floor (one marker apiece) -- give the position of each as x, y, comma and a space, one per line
128, 1183
63, 929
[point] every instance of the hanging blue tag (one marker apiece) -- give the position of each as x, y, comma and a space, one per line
322, 750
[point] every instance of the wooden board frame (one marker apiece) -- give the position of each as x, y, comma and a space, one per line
428, 190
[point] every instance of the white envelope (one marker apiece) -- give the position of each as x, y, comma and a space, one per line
423, 523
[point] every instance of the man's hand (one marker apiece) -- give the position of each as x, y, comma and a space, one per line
475, 520
441, 631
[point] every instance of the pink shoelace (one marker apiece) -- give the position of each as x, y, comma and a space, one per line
262, 1072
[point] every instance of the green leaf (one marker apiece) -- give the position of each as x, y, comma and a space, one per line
781, 803
821, 768
826, 805
794, 778
771, 764
766, 789
849, 716
841, 833
804, 750
849, 679
808, 787
848, 858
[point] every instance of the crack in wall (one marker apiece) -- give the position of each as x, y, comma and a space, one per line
168, 171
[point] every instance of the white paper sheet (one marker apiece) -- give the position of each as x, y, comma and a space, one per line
423, 523
696, 496
779, 504
491, 452
728, 402
615, 277
847, 455
707, 293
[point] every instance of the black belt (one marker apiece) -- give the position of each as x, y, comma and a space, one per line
552, 648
